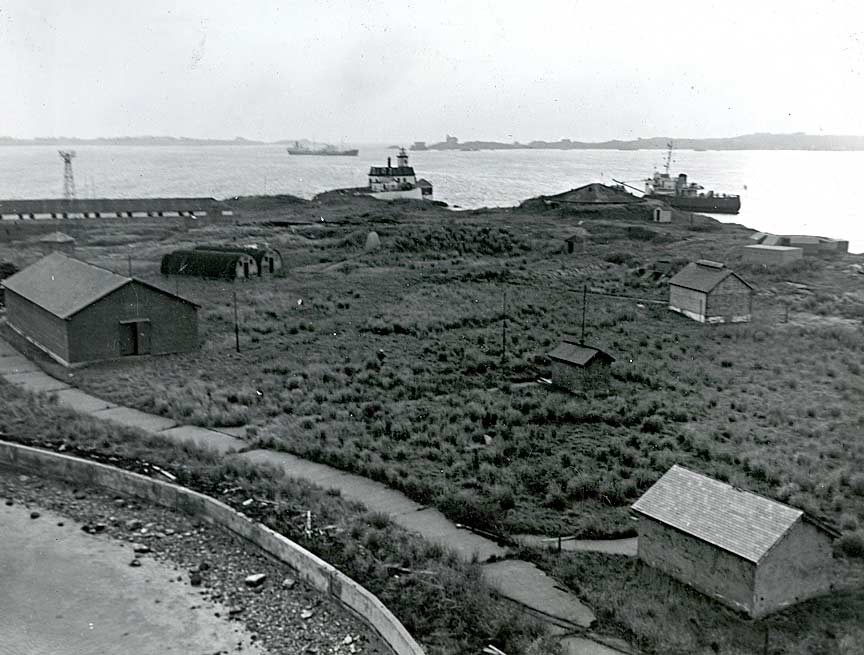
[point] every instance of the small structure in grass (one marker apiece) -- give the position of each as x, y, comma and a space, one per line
573, 365
373, 241
660, 215
77, 312
747, 551
577, 239
209, 264
708, 292
771, 255
267, 260
810, 245
57, 242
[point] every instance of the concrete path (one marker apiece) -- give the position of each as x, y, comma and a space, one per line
515, 580
377, 497
628, 547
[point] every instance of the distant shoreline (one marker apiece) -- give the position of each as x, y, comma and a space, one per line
796, 141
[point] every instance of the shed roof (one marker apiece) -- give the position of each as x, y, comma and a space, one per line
57, 237
572, 352
422, 182
734, 520
64, 286
579, 233
703, 276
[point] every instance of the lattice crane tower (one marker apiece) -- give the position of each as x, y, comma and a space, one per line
68, 179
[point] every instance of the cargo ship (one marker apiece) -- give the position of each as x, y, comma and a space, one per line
326, 151
688, 196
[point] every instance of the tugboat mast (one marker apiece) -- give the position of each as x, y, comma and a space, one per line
668, 157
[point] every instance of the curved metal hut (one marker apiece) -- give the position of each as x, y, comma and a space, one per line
269, 260
207, 263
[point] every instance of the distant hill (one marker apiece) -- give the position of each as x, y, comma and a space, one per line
762, 141
128, 141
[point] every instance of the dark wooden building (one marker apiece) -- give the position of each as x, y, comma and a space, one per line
77, 312
268, 260
747, 551
573, 365
709, 292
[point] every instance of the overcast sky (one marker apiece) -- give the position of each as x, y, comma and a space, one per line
400, 71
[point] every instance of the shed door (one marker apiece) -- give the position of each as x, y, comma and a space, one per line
245, 269
128, 338
143, 342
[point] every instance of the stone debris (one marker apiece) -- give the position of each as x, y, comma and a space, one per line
286, 616
35, 515
255, 580
141, 549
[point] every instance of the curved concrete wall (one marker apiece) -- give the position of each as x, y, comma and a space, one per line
310, 568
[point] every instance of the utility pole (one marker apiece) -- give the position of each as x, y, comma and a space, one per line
584, 302
236, 325
504, 330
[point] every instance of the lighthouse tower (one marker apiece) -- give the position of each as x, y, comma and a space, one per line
402, 158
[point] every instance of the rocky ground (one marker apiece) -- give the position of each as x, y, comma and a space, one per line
283, 614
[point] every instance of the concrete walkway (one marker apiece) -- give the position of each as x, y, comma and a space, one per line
628, 547
518, 581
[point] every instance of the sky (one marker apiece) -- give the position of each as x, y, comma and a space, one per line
354, 71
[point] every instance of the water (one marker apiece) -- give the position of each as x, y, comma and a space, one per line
788, 192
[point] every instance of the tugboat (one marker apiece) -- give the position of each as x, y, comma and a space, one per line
326, 151
680, 194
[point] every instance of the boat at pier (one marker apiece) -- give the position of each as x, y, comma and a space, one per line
326, 151
688, 196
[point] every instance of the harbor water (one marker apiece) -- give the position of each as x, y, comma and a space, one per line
787, 192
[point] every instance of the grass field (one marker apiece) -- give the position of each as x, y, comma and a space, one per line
440, 600
396, 364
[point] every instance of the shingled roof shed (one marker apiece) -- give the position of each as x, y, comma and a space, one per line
764, 555
708, 292
78, 312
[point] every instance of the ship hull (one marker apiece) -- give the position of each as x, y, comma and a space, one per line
707, 204
324, 153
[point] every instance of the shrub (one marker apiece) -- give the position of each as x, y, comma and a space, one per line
851, 543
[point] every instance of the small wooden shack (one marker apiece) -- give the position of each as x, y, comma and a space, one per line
57, 242
749, 552
771, 255
574, 365
77, 312
267, 260
209, 264
661, 215
577, 239
708, 292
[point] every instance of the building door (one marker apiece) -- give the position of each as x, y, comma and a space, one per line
135, 338
270, 264
246, 269
128, 339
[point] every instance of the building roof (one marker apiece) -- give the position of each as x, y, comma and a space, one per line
804, 239
579, 233
572, 352
594, 194
57, 237
737, 521
204, 263
703, 275
64, 286
771, 240
392, 171
424, 183
758, 236
772, 248
108, 205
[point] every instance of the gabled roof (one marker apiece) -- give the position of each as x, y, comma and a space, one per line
424, 183
572, 352
579, 233
57, 237
703, 276
737, 521
64, 286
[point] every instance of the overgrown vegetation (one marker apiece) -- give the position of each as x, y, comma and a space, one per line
441, 600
